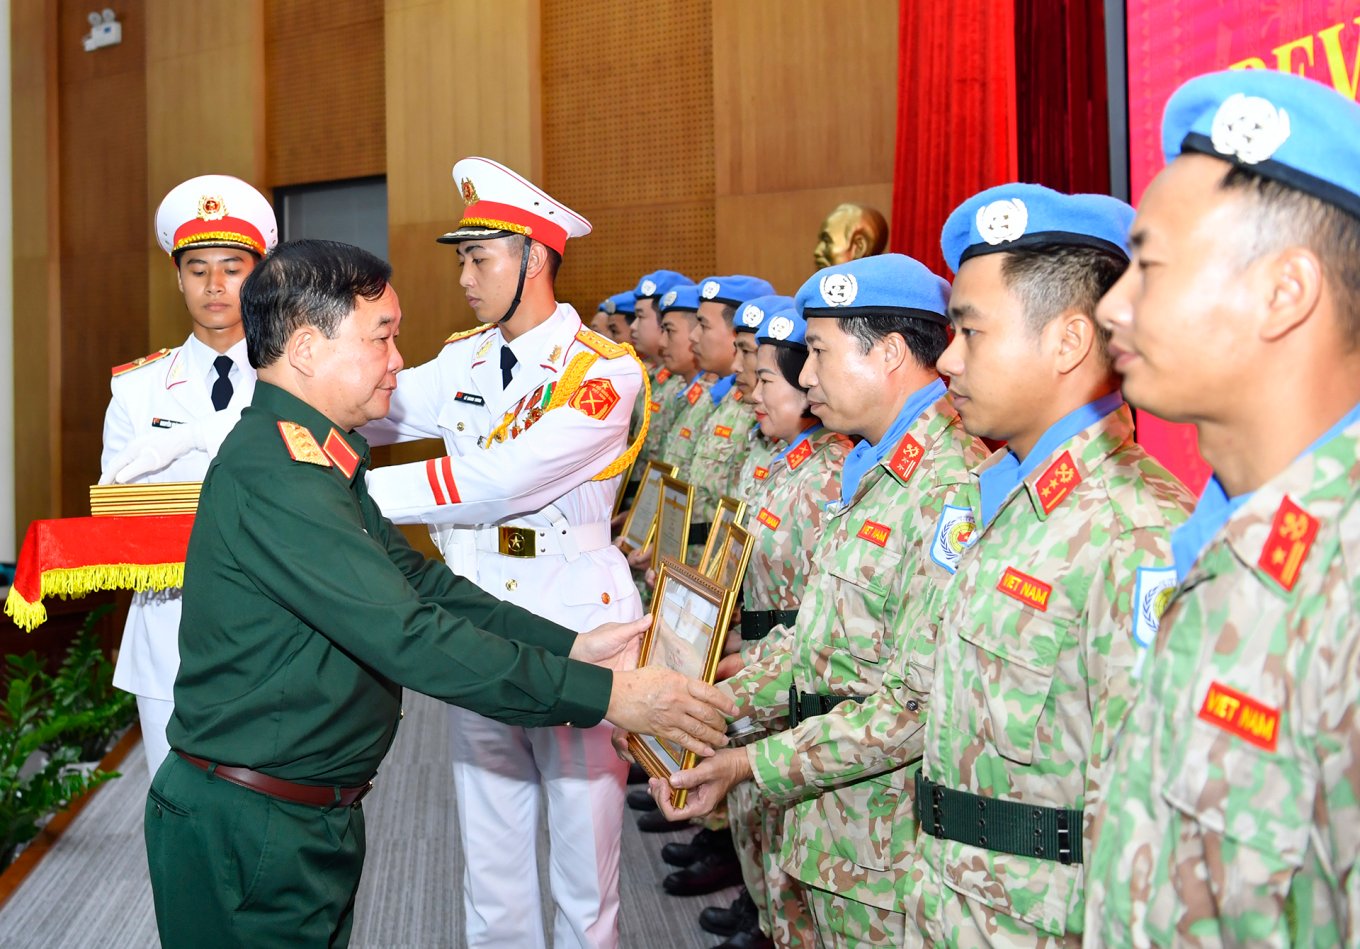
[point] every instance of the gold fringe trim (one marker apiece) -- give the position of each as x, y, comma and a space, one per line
232, 236
498, 225
68, 582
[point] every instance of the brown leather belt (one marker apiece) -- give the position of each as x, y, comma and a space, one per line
276, 787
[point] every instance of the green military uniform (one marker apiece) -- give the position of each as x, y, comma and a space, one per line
841, 838
1045, 620
803, 479
1233, 812
305, 613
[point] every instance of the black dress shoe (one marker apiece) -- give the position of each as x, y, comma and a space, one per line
639, 799
654, 822
750, 939
682, 855
740, 917
637, 774
708, 874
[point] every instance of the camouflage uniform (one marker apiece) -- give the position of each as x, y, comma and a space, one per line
665, 405
1233, 815
787, 527
843, 843
750, 482
695, 407
718, 453
1043, 626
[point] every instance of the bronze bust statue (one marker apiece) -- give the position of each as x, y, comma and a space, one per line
850, 231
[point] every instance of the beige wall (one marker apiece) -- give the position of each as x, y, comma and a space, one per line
708, 137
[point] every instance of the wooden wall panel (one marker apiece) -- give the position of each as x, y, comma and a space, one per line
804, 99
205, 115
103, 226
628, 139
37, 330
326, 114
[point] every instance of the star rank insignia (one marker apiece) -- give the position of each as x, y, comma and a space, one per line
1291, 537
1057, 482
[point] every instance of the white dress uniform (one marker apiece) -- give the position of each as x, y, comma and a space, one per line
487, 501
157, 394
173, 388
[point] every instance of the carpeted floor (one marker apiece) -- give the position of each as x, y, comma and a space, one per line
92, 891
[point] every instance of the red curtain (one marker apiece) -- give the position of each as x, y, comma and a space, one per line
956, 121
1061, 98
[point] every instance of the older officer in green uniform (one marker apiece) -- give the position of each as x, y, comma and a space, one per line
1233, 813
305, 612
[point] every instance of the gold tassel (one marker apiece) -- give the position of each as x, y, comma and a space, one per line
68, 582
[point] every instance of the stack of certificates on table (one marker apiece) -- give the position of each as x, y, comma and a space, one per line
122, 500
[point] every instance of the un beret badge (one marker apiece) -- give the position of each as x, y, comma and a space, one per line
839, 289
752, 316
1002, 221
648, 288
710, 289
668, 299
781, 327
1249, 128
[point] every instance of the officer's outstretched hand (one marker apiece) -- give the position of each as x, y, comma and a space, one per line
708, 783
612, 645
156, 450
662, 702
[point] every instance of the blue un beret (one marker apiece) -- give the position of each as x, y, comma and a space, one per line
1009, 217
685, 298
734, 290
619, 303
656, 283
1280, 126
783, 325
751, 315
885, 285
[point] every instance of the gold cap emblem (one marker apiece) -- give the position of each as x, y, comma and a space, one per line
469, 191
211, 207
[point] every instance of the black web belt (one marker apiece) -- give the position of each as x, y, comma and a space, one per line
1026, 830
756, 624
805, 705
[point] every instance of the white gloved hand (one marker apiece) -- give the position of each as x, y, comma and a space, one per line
157, 449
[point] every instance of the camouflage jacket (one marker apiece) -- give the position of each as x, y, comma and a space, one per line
874, 559
665, 406
719, 450
1233, 818
754, 475
694, 407
1041, 630
788, 522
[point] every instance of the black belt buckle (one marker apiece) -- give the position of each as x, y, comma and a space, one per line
1064, 840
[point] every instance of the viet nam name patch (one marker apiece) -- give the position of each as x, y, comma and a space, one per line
875, 533
768, 519
954, 533
1026, 589
761, 473
722, 431
1291, 536
1242, 715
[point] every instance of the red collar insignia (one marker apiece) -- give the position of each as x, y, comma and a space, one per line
1057, 482
1291, 537
799, 455
338, 451
906, 458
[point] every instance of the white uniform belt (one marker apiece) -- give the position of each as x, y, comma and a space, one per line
561, 540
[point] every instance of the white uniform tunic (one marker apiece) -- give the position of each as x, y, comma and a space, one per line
175, 389
538, 476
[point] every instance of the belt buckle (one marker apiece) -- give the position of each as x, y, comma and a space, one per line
516, 542
362, 794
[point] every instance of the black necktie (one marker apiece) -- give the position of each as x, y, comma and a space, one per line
221, 390
508, 361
